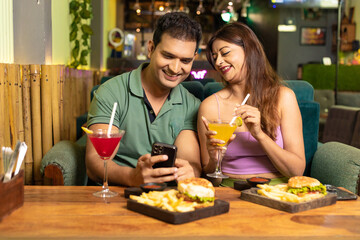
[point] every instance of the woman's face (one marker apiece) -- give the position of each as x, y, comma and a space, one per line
229, 60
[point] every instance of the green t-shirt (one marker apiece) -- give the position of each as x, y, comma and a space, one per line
178, 113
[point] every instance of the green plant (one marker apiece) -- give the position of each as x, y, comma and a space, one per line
81, 13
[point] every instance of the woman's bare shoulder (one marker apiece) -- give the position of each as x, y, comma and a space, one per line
208, 106
286, 93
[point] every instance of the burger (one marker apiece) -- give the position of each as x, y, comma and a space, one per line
306, 187
197, 190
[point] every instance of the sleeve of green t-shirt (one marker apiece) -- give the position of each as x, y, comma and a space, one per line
101, 106
191, 117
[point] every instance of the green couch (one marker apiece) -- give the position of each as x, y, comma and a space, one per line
66, 159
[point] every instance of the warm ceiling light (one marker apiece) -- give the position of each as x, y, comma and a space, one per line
161, 8
200, 9
137, 7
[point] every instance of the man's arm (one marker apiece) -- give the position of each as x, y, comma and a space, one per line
188, 155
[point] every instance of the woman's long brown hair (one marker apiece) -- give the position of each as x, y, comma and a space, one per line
262, 82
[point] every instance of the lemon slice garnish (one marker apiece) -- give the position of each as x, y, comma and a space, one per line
86, 130
238, 121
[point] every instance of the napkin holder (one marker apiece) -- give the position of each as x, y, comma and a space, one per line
11, 194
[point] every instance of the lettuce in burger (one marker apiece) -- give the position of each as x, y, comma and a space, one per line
301, 186
196, 190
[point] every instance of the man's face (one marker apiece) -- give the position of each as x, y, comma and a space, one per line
171, 60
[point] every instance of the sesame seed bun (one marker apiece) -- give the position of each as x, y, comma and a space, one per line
302, 181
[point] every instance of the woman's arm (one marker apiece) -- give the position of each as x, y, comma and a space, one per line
289, 161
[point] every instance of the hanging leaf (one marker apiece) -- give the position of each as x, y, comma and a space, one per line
83, 61
75, 52
84, 53
73, 26
80, 10
73, 35
75, 64
74, 5
87, 29
85, 36
85, 14
77, 19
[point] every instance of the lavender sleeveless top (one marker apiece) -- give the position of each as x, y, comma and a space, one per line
245, 155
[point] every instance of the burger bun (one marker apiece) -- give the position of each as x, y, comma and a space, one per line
303, 181
197, 188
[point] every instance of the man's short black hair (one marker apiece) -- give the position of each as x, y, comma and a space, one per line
178, 25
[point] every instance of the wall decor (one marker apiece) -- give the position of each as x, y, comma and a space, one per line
312, 36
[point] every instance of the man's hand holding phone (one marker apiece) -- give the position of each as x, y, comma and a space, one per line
164, 149
157, 167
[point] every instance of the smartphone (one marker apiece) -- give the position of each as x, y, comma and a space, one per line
164, 149
341, 194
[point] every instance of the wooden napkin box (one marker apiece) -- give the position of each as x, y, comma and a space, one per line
11, 194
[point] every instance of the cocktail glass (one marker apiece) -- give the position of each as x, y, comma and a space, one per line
105, 145
224, 131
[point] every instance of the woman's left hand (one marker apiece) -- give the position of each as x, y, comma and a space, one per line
251, 117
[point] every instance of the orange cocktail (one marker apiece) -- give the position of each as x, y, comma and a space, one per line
224, 131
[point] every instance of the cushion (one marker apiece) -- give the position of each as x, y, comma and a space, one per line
340, 124
105, 78
204, 81
349, 99
303, 90
355, 141
310, 119
337, 164
195, 88
326, 98
211, 88
69, 157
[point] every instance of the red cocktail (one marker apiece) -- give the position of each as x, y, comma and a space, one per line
105, 145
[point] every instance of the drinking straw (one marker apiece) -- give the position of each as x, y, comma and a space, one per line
112, 118
245, 99
243, 102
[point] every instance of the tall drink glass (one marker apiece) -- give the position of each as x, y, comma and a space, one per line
105, 145
224, 131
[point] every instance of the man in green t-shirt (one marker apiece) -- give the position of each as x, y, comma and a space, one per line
152, 107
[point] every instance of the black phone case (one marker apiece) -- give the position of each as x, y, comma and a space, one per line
341, 194
164, 149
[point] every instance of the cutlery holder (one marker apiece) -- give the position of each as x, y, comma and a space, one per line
11, 194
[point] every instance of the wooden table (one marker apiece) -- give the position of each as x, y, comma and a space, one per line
72, 212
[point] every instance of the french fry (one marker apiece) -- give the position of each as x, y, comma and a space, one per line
279, 192
167, 200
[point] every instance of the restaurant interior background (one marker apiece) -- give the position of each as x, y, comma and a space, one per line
36, 54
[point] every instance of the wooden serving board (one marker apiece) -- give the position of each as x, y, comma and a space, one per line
251, 195
219, 207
